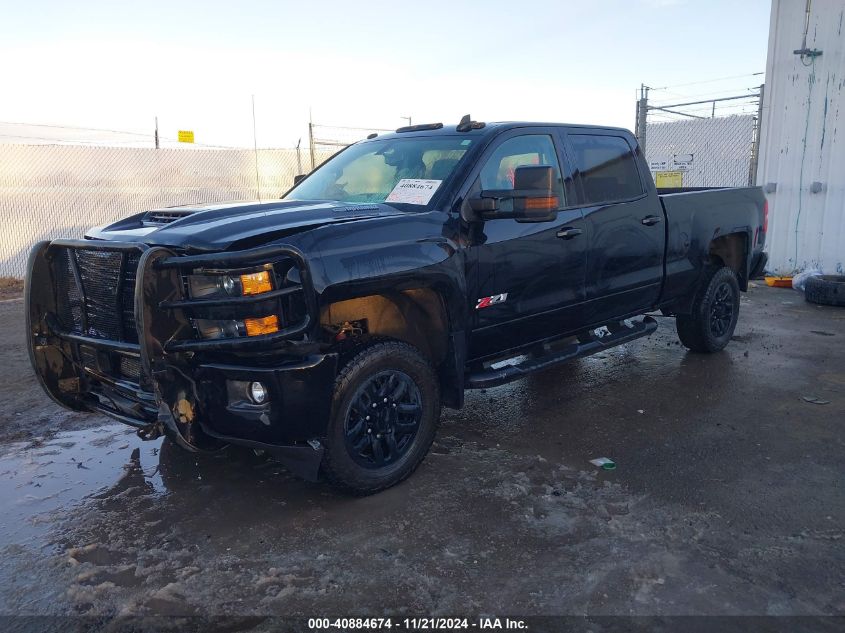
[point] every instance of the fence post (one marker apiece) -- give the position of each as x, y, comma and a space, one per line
255, 149
311, 143
755, 146
637, 121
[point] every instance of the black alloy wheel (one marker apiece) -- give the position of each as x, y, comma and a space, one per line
383, 419
713, 314
385, 412
721, 310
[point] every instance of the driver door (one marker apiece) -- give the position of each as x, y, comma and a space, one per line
526, 279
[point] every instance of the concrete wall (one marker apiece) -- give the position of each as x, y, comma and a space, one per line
802, 153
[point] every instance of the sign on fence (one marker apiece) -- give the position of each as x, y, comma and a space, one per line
186, 136
682, 162
666, 179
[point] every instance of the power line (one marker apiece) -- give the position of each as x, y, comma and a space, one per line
713, 95
710, 81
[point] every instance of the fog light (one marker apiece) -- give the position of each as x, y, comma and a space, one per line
258, 392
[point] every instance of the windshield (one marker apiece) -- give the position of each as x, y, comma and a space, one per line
395, 171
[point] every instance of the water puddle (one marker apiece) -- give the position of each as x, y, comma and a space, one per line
39, 477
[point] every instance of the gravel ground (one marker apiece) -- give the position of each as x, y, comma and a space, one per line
727, 497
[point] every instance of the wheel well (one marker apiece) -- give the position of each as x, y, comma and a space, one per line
730, 251
416, 316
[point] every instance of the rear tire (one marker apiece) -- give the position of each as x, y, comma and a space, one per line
385, 413
715, 310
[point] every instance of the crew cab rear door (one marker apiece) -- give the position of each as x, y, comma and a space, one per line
526, 279
624, 221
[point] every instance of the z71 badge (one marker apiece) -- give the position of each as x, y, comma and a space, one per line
486, 302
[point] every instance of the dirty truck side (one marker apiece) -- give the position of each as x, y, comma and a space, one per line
329, 327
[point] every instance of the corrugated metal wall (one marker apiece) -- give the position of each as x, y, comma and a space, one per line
802, 147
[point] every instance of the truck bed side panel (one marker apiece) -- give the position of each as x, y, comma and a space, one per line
694, 220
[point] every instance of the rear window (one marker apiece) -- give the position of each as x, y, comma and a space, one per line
608, 168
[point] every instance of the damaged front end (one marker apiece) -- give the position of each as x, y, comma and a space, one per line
210, 349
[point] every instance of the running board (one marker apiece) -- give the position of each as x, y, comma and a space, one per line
618, 334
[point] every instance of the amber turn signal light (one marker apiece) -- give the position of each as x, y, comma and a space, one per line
537, 204
256, 283
263, 325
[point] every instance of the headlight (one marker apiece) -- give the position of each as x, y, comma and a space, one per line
229, 328
211, 286
220, 285
213, 328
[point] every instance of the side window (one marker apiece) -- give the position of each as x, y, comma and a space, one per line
608, 168
531, 149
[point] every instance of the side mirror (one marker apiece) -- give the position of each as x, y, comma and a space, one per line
533, 198
298, 179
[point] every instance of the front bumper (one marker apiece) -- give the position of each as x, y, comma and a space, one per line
124, 345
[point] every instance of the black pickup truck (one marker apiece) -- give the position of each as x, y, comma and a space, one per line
329, 327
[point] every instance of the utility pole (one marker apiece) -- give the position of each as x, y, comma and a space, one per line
755, 148
156, 135
642, 117
408, 119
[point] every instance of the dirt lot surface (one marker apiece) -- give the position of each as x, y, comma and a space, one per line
10, 288
727, 498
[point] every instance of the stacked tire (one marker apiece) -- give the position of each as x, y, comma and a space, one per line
828, 290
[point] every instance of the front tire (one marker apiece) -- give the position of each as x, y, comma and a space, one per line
715, 310
385, 412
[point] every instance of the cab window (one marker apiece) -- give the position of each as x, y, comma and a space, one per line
607, 166
498, 170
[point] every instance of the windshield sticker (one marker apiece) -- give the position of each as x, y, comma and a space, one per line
413, 191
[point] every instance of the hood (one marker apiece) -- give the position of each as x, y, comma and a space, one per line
218, 227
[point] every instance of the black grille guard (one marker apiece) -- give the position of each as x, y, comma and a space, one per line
185, 263
164, 331
50, 318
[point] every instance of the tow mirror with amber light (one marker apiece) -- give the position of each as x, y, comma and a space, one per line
533, 198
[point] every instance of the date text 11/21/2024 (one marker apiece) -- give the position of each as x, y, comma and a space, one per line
417, 624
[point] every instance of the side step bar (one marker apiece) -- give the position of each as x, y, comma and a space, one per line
619, 334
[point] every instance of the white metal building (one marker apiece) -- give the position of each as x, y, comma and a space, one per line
802, 144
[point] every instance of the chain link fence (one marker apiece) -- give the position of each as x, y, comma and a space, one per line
49, 191
706, 142
333, 138
713, 152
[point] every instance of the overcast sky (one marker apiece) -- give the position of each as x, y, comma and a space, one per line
195, 64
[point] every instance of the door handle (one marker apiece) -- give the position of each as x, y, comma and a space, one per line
568, 234
650, 220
